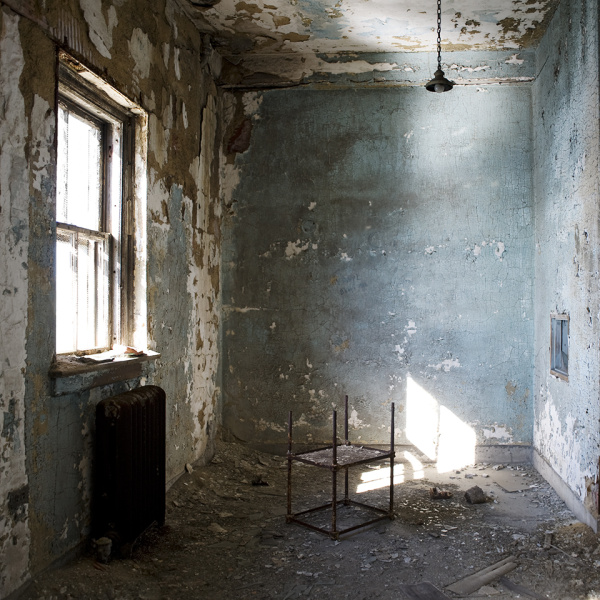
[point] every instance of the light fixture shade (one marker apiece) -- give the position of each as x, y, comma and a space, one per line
439, 83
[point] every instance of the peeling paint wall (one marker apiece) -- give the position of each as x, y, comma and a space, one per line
379, 243
14, 241
567, 134
156, 57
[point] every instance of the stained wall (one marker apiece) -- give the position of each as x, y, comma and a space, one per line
154, 56
379, 243
566, 151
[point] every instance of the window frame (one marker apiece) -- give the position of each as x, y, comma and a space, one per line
92, 101
556, 369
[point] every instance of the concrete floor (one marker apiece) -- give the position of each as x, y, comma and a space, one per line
226, 538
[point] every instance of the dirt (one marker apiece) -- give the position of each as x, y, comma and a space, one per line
227, 538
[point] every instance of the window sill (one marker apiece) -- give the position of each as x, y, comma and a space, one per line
71, 376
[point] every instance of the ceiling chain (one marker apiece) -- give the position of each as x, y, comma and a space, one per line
439, 34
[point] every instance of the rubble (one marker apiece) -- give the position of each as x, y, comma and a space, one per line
226, 538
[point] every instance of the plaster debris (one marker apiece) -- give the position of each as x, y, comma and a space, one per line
500, 249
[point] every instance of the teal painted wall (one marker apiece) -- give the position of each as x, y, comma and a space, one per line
567, 135
379, 241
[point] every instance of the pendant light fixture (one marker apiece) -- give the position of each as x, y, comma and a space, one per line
439, 83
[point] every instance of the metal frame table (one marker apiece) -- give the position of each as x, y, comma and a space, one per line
338, 457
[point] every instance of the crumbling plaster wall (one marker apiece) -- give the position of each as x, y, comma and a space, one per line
156, 57
567, 135
378, 241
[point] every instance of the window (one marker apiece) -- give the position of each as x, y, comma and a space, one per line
559, 346
94, 214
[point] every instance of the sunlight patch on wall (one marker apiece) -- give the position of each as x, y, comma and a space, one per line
436, 431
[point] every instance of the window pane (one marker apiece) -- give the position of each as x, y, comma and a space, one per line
79, 165
66, 290
82, 267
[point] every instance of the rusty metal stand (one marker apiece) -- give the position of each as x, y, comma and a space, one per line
337, 457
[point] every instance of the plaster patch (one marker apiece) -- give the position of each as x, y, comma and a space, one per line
354, 421
42, 126
100, 28
514, 60
344, 257
160, 139
312, 206
166, 52
500, 249
411, 328
446, 365
140, 49
251, 102
295, 248
176, 64
557, 438
498, 433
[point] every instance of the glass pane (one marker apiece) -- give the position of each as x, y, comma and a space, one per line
79, 164
66, 291
82, 292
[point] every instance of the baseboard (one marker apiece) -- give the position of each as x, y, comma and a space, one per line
503, 453
567, 495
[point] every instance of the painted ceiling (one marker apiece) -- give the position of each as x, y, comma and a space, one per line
262, 27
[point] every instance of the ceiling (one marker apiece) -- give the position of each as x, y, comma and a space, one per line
263, 27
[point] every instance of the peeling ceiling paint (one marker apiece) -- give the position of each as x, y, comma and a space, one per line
332, 26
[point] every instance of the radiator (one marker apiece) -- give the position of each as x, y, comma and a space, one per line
130, 464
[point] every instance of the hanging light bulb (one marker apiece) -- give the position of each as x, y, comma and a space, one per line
439, 83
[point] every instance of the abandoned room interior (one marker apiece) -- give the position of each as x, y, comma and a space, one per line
279, 213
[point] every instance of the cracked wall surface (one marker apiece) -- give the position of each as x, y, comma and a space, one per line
375, 248
566, 96
158, 59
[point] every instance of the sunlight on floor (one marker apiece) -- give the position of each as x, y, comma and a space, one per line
379, 478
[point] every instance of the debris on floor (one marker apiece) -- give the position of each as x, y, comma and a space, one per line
422, 591
472, 583
476, 495
437, 494
226, 538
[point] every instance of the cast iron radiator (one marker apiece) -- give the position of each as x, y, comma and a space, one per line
130, 464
